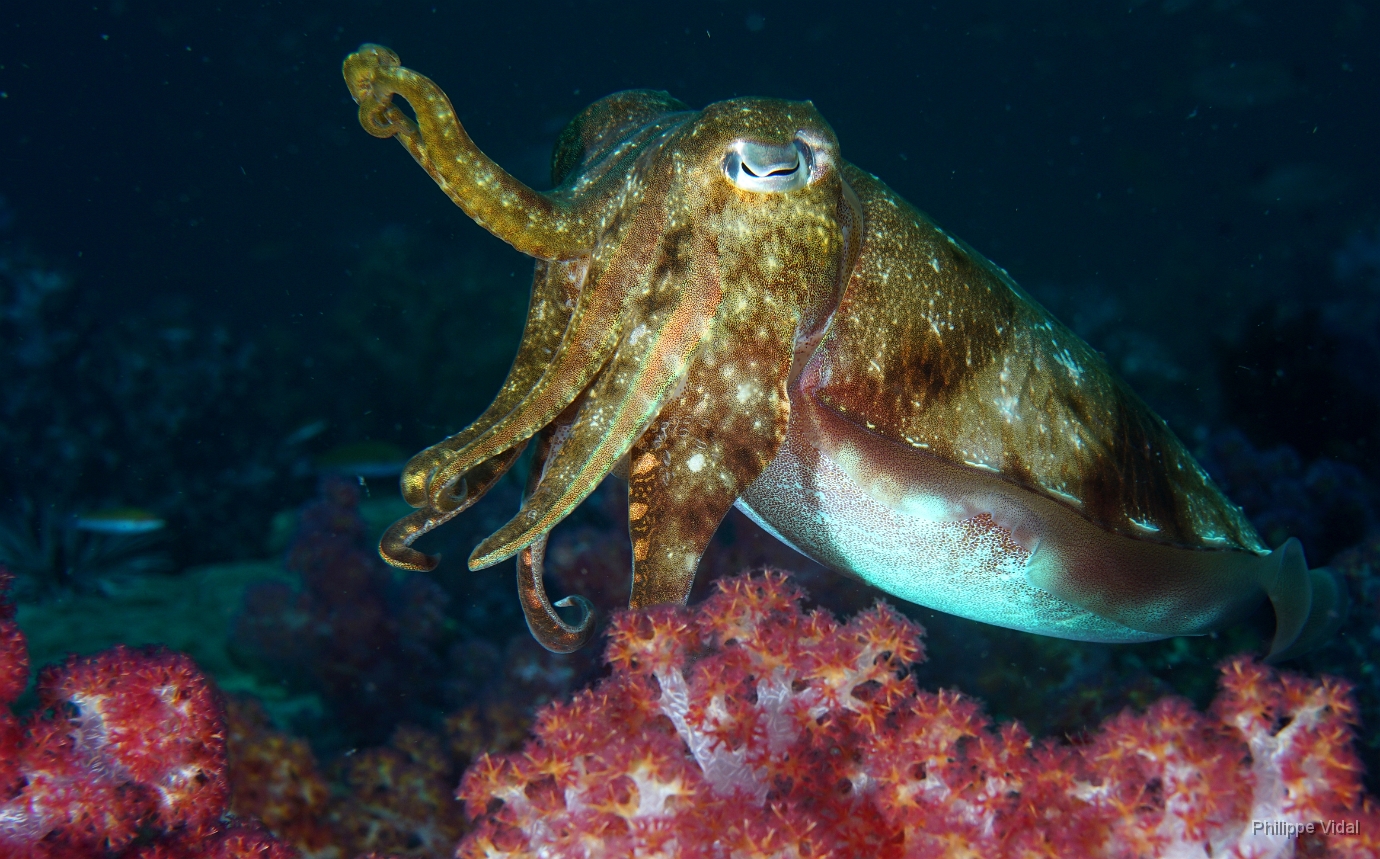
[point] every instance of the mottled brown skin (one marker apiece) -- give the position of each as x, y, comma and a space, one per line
960, 373
727, 312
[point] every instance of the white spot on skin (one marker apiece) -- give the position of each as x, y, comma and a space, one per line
1065, 359
1007, 406
934, 263
696, 462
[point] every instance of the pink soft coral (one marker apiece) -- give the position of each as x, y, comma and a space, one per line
124, 756
746, 728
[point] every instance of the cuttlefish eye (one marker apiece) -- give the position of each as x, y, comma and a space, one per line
767, 167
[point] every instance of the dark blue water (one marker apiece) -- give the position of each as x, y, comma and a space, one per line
211, 276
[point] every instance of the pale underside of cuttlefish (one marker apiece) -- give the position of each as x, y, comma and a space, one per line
729, 313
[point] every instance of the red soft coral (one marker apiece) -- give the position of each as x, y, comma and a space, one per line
150, 718
745, 728
124, 754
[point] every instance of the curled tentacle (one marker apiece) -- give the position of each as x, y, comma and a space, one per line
395, 546
536, 224
546, 625
461, 494
420, 469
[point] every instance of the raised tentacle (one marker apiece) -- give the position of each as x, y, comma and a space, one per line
537, 224
705, 448
555, 287
644, 373
547, 626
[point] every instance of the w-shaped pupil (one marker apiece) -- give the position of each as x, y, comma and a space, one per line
779, 171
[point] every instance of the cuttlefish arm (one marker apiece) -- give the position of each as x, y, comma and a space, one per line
544, 226
570, 331
705, 448
661, 329
547, 626
555, 286
694, 251
616, 271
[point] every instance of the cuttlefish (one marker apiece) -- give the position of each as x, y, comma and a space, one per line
728, 313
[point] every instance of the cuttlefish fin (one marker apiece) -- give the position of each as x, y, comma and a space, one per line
699, 455
1168, 591
1310, 605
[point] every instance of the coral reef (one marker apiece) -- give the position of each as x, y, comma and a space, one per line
744, 727
371, 643
274, 778
401, 797
394, 799
378, 648
124, 756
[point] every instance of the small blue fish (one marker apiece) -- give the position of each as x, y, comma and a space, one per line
119, 520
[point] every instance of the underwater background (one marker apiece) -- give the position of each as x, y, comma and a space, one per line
228, 315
